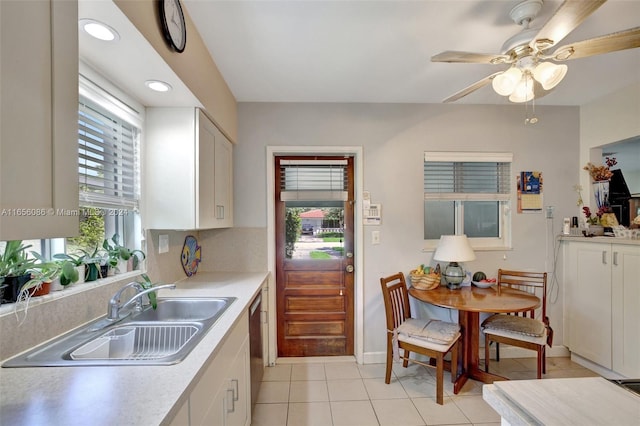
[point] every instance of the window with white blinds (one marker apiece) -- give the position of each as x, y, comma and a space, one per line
107, 158
313, 180
468, 193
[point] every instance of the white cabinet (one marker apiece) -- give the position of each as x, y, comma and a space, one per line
223, 394
38, 119
188, 170
625, 280
602, 300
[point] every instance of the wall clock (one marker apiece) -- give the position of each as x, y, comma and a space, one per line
173, 25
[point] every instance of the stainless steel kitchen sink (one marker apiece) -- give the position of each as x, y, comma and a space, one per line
152, 337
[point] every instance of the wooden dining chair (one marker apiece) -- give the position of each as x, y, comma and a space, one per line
433, 338
528, 330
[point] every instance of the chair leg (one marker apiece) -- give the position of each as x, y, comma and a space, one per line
497, 351
540, 361
405, 360
544, 360
487, 343
387, 378
454, 361
440, 379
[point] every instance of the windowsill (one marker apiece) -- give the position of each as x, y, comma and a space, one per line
10, 308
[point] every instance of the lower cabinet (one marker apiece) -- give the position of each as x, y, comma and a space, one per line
602, 303
223, 394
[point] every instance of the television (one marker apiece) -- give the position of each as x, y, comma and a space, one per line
618, 189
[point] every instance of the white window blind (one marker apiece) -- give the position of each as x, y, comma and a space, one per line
107, 158
313, 180
467, 176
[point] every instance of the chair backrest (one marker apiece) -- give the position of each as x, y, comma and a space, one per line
531, 282
396, 300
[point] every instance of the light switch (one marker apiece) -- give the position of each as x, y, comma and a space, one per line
375, 237
163, 244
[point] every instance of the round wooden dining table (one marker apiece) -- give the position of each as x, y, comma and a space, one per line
469, 302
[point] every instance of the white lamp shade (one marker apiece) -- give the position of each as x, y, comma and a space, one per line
524, 90
454, 248
549, 74
504, 83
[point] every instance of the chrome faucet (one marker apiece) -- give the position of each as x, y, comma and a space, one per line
113, 313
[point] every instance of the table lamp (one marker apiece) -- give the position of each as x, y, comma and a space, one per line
454, 249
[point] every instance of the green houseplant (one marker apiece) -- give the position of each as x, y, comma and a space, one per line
120, 257
69, 262
15, 268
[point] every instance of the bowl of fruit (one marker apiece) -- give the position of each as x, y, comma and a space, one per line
480, 280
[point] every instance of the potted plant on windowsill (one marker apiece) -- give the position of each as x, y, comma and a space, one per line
118, 255
14, 269
95, 264
77, 262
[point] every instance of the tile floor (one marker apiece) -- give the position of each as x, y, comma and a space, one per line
343, 393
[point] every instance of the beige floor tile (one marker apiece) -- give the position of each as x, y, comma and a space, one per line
353, 413
277, 373
397, 412
378, 389
272, 392
419, 386
309, 414
269, 415
347, 390
412, 369
370, 371
307, 372
435, 414
476, 409
308, 391
341, 370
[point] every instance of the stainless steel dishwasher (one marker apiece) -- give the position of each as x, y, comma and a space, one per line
255, 347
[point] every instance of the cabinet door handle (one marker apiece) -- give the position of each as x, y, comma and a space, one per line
615, 258
232, 400
604, 257
236, 390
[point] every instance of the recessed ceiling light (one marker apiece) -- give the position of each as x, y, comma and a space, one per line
157, 85
99, 30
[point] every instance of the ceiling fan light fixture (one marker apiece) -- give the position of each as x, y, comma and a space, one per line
549, 75
505, 83
524, 90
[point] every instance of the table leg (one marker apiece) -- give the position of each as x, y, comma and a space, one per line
470, 324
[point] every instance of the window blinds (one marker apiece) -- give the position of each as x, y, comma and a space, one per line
467, 176
107, 158
313, 180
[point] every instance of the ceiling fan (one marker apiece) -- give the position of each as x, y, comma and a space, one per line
533, 72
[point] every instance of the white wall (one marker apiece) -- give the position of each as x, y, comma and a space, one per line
393, 137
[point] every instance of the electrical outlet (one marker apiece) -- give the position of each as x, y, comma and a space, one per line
549, 212
375, 237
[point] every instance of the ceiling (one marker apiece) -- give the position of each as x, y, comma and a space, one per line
379, 51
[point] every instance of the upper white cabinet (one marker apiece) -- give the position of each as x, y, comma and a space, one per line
38, 119
602, 303
188, 170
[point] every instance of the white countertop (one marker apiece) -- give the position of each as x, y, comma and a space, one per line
587, 401
124, 395
605, 240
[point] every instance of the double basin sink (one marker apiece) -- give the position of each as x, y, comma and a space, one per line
160, 336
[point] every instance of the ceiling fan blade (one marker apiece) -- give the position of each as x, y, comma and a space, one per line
471, 58
569, 15
475, 86
622, 40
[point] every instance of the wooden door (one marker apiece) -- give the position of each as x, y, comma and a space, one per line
314, 269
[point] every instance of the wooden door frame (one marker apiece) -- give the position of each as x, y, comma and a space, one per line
356, 152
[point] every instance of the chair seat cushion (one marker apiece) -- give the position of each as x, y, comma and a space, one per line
433, 331
518, 327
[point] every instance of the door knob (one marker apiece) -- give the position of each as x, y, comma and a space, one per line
349, 268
